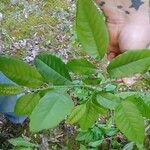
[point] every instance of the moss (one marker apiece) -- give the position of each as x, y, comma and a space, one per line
56, 3
19, 26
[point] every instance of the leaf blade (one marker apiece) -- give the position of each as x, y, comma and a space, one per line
81, 67
129, 63
108, 100
20, 72
76, 114
21, 142
86, 114
141, 105
9, 89
52, 69
50, 111
129, 120
91, 28
26, 104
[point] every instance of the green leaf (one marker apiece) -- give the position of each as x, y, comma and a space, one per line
20, 72
93, 110
140, 146
89, 117
50, 111
26, 104
52, 69
21, 142
124, 95
141, 105
129, 146
147, 80
110, 88
81, 67
95, 143
129, 63
82, 147
92, 81
145, 96
86, 114
23, 148
129, 120
86, 136
91, 29
108, 100
9, 89
76, 114
99, 108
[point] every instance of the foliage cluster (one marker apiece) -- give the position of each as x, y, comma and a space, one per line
46, 100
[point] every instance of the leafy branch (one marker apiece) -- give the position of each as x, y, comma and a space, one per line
45, 100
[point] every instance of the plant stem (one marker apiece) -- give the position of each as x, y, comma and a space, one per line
92, 87
97, 88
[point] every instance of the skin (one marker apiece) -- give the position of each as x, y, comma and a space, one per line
128, 23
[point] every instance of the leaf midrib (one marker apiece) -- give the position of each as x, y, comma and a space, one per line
134, 61
130, 63
91, 29
130, 120
50, 68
